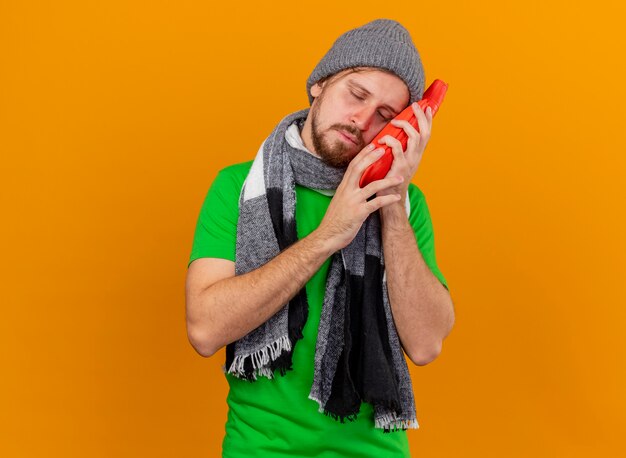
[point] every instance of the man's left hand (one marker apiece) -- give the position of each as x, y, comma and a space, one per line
405, 163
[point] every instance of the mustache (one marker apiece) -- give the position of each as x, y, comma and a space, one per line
354, 132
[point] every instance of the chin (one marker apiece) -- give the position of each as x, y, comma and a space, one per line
339, 159
335, 154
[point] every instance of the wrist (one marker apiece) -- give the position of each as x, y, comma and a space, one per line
322, 242
394, 214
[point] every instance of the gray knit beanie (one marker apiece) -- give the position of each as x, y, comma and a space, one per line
381, 43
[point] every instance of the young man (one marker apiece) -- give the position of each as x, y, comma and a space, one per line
314, 285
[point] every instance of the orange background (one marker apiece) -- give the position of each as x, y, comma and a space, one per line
115, 118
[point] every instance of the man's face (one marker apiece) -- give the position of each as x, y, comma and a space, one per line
359, 105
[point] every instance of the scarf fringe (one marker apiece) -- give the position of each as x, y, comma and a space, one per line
321, 408
342, 418
260, 359
388, 423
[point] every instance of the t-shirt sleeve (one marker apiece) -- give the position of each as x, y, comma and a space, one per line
420, 220
216, 229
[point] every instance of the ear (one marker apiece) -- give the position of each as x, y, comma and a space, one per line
316, 90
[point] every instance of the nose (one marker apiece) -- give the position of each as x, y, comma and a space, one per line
362, 117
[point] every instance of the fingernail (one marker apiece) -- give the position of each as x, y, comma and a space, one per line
370, 146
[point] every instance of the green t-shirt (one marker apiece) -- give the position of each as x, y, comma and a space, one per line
275, 418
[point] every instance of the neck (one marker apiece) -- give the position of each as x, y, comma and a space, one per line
305, 133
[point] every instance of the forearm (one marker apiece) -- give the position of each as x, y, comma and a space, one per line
421, 306
231, 308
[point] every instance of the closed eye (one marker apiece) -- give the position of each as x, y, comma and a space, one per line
360, 98
379, 113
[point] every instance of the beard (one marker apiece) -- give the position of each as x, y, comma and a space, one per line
333, 152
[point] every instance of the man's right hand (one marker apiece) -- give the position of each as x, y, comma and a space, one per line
349, 207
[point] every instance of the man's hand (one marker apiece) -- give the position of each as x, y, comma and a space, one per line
349, 207
405, 163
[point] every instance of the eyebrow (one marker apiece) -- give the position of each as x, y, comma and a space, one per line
358, 86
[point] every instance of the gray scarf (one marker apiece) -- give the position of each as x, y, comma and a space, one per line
358, 356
